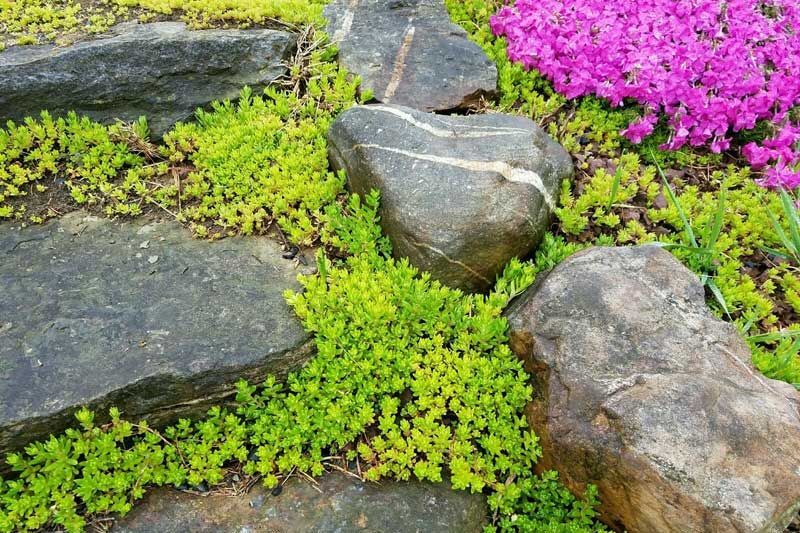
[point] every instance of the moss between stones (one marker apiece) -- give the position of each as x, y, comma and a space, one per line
237, 169
373, 318
411, 378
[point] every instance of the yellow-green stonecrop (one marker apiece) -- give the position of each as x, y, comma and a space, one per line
36, 21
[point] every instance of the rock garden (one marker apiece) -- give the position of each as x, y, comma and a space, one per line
400, 266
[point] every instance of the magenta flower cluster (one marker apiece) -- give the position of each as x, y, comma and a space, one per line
714, 67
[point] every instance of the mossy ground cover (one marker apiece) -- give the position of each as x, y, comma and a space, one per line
411, 378
40, 21
243, 167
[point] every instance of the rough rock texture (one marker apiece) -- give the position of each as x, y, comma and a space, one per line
161, 70
460, 195
341, 504
408, 52
143, 317
645, 393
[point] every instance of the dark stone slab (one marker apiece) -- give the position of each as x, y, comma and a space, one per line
143, 317
461, 196
339, 503
160, 70
409, 53
643, 392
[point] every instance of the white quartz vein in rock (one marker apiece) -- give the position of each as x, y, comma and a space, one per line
511, 173
347, 23
476, 133
451, 260
399, 64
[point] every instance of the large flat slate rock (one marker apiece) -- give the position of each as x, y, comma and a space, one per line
141, 316
642, 391
161, 70
460, 195
408, 52
339, 503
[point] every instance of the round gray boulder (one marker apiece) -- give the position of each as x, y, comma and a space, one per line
461, 195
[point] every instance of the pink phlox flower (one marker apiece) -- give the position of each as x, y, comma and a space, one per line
712, 67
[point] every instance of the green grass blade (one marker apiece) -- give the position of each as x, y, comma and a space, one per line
716, 228
790, 211
686, 247
686, 226
777, 253
779, 231
773, 336
718, 296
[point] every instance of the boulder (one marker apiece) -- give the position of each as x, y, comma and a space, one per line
161, 70
337, 503
460, 195
408, 52
643, 392
141, 316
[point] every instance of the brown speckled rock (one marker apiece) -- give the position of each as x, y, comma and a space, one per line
643, 392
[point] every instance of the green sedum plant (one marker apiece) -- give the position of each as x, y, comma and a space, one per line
87, 154
777, 354
96, 469
264, 159
411, 379
239, 168
24, 22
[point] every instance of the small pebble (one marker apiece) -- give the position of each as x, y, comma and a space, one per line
277, 490
145, 245
291, 253
152, 259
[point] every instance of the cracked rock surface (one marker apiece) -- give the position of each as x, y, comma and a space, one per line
460, 195
408, 52
141, 316
643, 392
